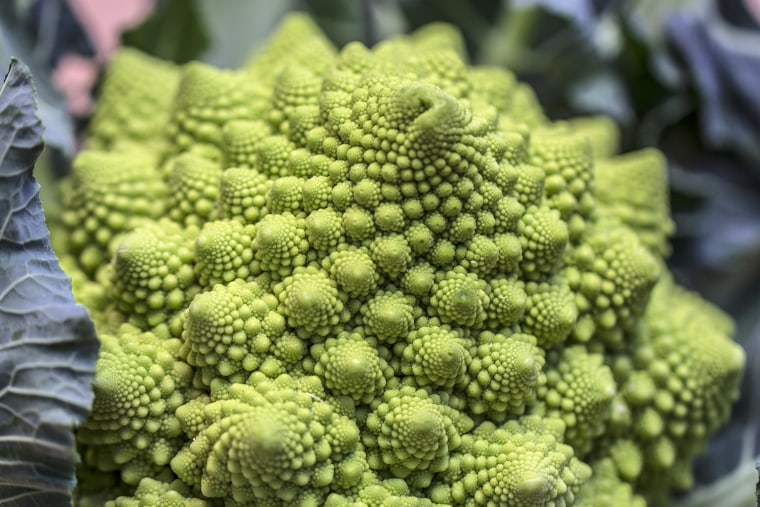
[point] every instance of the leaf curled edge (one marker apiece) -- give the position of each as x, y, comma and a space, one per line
48, 345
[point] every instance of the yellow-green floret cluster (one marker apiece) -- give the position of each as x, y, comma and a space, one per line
379, 277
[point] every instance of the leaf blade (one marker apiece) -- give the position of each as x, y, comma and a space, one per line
48, 345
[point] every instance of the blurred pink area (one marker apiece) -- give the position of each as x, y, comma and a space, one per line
74, 77
103, 21
753, 6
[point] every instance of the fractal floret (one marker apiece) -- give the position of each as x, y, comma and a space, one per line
379, 277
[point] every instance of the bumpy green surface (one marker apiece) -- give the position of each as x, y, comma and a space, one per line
135, 100
376, 278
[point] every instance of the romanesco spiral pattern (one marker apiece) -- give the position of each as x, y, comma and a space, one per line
379, 277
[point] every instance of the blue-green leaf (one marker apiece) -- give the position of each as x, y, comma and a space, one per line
723, 65
17, 41
48, 345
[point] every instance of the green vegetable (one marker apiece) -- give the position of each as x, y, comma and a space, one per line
381, 277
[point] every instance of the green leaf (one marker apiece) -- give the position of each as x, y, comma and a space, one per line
175, 31
16, 41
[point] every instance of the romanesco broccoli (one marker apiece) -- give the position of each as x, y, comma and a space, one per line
379, 277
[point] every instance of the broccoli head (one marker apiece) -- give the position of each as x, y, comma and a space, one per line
379, 277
